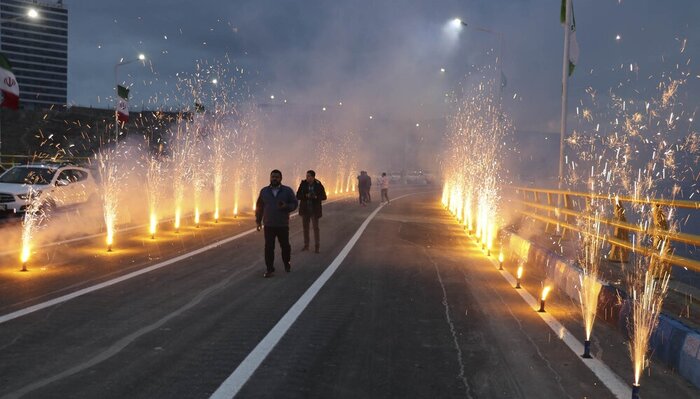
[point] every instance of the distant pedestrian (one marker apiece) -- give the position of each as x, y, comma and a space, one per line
369, 189
310, 195
384, 186
359, 189
364, 183
272, 209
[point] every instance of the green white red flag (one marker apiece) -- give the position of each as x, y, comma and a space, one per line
573, 43
9, 88
123, 104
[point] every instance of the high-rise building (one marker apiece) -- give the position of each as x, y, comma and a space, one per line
37, 49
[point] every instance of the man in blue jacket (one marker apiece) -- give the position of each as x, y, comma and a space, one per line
272, 210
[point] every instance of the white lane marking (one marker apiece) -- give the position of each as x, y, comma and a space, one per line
72, 295
118, 346
119, 230
233, 384
608, 377
93, 288
86, 237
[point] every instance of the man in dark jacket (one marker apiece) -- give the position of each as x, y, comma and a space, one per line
272, 209
364, 184
310, 195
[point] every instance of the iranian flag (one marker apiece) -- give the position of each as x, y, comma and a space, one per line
8, 85
573, 43
123, 105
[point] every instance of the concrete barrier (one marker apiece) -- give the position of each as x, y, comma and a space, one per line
673, 343
690, 358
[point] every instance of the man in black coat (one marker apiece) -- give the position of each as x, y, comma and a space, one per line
364, 184
272, 209
310, 195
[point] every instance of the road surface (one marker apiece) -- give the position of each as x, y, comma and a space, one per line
414, 310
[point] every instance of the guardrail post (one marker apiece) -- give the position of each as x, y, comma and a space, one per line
548, 226
658, 266
618, 253
566, 218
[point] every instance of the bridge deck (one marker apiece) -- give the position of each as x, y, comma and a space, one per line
415, 310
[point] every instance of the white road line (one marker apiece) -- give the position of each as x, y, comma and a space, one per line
117, 347
119, 230
233, 384
86, 237
93, 288
73, 295
612, 381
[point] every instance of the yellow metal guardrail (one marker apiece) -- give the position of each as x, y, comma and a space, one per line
533, 200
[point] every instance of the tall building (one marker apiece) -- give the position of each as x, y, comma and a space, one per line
37, 49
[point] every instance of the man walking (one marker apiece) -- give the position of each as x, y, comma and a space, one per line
272, 209
363, 185
384, 186
310, 195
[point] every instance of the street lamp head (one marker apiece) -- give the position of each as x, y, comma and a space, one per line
453, 28
32, 13
458, 23
142, 57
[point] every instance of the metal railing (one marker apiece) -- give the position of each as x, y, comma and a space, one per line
542, 205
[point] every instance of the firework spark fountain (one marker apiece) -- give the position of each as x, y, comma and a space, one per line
473, 163
153, 185
31, 221
518, 276
180, 168
219, 145
109, 182
591, 240
647, 287
543, 297
631, 146
198, 180
197, 166
248, 158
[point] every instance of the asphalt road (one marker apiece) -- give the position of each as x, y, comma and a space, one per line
414, 311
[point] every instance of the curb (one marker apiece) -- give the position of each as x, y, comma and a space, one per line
673, 343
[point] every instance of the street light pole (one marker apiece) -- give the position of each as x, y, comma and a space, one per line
499, 60
564, 93
141, 57
32, 14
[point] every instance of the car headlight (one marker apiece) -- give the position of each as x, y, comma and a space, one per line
25, 197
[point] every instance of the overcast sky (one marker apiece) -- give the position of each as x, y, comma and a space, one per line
383, 56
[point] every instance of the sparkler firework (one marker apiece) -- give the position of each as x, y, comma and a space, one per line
631, 146
31, 221
219, 147
473, 163
109, 182
153, 186
180, 168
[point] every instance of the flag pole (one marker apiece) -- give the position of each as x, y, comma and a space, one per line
564, 95
0, 136
116, 105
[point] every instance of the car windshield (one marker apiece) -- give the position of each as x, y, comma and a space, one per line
23, 175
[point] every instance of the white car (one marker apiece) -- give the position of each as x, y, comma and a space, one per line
58, 186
